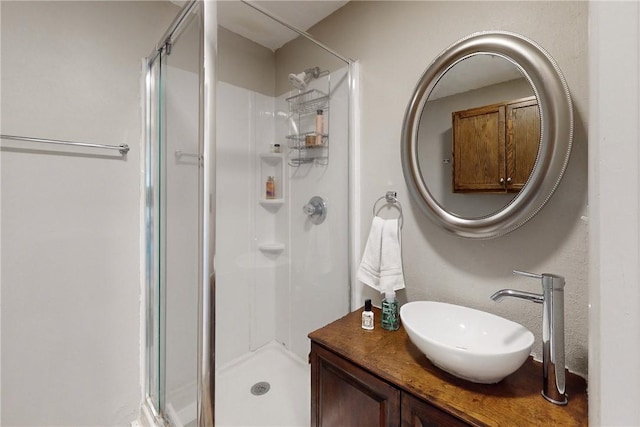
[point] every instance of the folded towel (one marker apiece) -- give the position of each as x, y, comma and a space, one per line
381, 265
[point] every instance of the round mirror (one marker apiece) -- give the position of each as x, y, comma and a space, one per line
487, 134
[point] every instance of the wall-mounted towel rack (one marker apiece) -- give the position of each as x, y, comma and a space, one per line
391, 199
180, 154
123, 148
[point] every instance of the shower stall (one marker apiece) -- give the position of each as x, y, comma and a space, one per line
248, 196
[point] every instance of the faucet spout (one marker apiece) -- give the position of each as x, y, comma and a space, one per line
552, 300
529, 296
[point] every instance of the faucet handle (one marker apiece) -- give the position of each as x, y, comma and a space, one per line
527, 274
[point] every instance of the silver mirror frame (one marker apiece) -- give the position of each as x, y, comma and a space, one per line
556, 116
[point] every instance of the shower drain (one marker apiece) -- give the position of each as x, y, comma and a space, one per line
258, 389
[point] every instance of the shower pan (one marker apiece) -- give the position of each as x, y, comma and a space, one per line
214, 139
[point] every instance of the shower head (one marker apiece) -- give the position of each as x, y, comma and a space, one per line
301, 80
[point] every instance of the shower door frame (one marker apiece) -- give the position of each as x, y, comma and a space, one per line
207, 197
151, 410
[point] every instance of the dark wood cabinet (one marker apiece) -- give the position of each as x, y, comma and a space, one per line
418, 413
379, 378
479, 149
495, 146
522, 140
345, 395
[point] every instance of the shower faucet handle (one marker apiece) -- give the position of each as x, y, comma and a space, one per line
316, 210
309, 209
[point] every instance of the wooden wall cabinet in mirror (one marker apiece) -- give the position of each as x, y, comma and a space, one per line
495, 146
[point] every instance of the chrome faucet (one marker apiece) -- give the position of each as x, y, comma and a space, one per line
552, 300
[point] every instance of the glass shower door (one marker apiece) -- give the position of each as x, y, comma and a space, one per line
173, 207
182, 163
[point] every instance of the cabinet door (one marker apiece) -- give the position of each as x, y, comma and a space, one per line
478, 149
417, 413
523, 139
344, 395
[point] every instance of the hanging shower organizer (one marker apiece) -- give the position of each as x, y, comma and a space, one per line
303, 109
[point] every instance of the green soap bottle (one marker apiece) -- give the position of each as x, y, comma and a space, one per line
390, 319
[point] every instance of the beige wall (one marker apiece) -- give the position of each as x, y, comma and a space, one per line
71, 218
244, 63
394, 42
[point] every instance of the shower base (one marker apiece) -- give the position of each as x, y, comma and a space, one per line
287, 401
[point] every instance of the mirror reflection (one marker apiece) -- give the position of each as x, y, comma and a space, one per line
478, 136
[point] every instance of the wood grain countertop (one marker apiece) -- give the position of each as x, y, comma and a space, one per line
514, 401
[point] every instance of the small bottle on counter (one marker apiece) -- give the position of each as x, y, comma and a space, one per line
367, 316
390, 320
319, 127
271, 188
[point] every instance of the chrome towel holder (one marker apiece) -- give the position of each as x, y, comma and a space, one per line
391, 198
123, 148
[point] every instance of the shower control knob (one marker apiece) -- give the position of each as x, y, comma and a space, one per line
309, 209
316, 210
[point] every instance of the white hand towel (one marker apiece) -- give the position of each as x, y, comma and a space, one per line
369, 271
381, 265
391, 275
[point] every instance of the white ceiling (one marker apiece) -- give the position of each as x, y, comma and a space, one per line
247, 22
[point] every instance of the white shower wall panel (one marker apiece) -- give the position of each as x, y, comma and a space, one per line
271, 295
263, 301
234, 258
319, 290
245, 276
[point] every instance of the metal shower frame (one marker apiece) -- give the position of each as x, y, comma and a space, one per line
207, 211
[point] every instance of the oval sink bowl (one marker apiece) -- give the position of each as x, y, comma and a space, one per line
470, 344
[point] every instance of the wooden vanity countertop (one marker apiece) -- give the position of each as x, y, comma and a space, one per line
514, 401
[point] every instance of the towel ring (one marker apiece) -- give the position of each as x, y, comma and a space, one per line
391, 199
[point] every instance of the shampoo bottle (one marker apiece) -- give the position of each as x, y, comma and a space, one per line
271, 188
390, 312
367, 316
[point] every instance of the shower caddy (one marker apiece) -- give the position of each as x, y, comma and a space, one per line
303, 108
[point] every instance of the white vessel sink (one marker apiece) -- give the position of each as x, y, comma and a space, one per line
470, 344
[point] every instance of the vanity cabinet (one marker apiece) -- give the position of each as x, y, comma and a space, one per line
418, 413
345, 395
379, 378
495, 146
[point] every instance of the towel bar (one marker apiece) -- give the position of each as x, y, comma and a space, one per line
123, 148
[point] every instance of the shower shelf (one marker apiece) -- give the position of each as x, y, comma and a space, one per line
297, 140
271, 156
271, 247
308, 102
271, 164
272, 202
